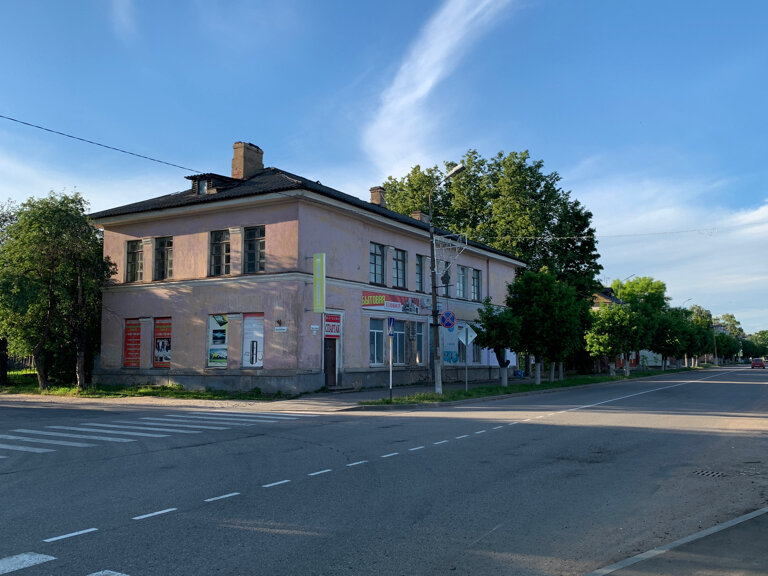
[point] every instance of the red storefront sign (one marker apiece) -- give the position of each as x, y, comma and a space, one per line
132, 344
332, 326
390, 303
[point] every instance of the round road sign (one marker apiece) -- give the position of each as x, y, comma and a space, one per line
448, 319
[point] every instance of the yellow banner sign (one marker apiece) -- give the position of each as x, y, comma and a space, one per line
319, 282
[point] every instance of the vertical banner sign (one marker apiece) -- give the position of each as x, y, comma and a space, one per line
132, 344
332, 326
319, 282
162, 355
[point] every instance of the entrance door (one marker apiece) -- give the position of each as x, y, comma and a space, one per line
329, 361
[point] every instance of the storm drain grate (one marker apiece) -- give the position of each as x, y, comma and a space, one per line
709, 473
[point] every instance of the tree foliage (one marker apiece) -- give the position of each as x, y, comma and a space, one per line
612, 332
509, 203
51, 274
497, 329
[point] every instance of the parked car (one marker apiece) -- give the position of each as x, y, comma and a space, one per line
758, 363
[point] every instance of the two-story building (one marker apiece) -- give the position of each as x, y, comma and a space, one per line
215, 287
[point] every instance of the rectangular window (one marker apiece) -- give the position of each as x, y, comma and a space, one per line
132, 344
376, 341
218, 329
445, 277
134, 265
476, 291
254, 250
164, 258
219, 253
162, 354
476, 352
376, 270
420, 343
399, 269
461, 282
420, 273
398, 343
462, 352
253, 340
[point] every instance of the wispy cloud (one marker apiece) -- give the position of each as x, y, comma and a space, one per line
123, 18
400, 134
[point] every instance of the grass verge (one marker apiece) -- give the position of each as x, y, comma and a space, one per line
512, 388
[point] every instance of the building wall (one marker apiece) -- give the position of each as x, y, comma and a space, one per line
292, 344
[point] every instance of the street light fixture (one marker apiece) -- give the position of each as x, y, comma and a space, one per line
437, 360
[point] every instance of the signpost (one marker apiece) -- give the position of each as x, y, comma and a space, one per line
391, 332
466, 336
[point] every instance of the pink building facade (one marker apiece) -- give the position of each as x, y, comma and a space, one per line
215, 288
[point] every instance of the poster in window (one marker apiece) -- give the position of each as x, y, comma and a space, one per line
253, 340
132, 344
162, 353
218, 329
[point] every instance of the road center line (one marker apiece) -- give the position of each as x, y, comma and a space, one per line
26, 560
151, 514
390, 455
417, 448
481, 431
497, 427
320, 472
275, 484
357, 463
462, 436
70, 535
222, 497
441, 442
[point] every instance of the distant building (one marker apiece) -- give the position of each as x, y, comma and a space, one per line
215, 287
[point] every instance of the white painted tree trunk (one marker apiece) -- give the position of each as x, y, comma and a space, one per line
537, 373
560, 371
551, 371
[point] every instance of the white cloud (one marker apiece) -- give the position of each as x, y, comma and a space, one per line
670, 229
401, 133
123, 18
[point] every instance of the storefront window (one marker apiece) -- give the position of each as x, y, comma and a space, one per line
218, 328
376, 341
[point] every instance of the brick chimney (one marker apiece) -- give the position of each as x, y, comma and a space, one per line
420, 216
377, 196
247, 160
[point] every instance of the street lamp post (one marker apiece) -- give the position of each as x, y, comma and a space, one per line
437, 359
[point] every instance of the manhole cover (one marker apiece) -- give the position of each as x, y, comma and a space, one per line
709, 473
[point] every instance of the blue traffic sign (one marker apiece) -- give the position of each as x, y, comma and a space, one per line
391, 326
448, 319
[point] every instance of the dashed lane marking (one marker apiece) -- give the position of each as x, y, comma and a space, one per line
26, 560
275, 484
319, 472
222, 497
357, 463
71, 535
107, 573
152, 514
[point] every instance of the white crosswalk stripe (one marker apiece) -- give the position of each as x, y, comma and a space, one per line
76, 429
215, 420
176, 423
147, 428
248, 416
67, 435
25, 448
45, 441
20, 561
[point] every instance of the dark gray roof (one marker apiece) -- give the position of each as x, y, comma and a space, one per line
265, 181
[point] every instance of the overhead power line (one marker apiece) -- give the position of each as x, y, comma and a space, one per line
98, 144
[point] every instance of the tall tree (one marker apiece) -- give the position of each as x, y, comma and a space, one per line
647, 299
51, 274
497, 329
732, 326
7, 217
612, 333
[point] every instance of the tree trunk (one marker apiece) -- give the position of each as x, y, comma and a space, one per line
612, 368
504, 373
551, 371
560, 371
537, 373
3, 362
626, 364
40, 368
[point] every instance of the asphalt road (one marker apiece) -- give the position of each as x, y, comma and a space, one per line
565, 483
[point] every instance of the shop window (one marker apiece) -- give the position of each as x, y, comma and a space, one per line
132, 343
218, 329
253, 340
376, 341
398, 343
419, 337
162, 353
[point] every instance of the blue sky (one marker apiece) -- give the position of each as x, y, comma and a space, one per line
653, 112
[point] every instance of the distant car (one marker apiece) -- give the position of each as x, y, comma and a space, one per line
758, 363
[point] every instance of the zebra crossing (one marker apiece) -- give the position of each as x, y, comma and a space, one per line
89, 434
30, 559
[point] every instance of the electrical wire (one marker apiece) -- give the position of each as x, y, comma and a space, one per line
98, 144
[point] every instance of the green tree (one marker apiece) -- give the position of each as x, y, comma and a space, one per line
511, 204
727, 345
7, 217
646, 299
549, 313
497, 329
673, 334
732, 326
51, 275
612, 333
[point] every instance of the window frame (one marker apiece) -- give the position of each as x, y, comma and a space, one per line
399, 268
376, 264
254, 258
398, 343
376, 342
219, 253
477, 285
461, 282
163, 252
134, 267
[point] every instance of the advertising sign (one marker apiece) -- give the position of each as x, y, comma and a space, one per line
390, 303
332, 326
218, 325
318, 278
162, 355
253, 340
132, 344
